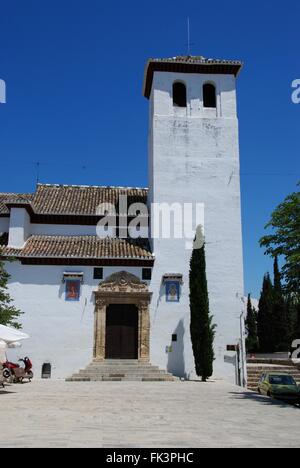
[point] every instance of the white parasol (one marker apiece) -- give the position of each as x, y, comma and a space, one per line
10, 338
11, 335
3, 347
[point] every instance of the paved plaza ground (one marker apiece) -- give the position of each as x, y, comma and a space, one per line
120, 414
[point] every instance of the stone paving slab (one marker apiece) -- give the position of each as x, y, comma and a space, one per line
133, 414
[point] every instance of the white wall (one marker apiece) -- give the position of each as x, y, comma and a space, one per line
62, 333
162, 100
19, 227
62, 230
194, 157
76, 230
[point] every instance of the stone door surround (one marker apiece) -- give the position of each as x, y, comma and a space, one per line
123, 288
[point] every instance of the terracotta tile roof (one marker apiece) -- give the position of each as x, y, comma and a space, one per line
72, 200
82, 247
197, 59
81, 200
13, 198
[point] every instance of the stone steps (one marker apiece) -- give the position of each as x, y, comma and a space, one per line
272, 368
275, 361
259, 373
137, 378
116, 366
263, 361
89, 373
121, 371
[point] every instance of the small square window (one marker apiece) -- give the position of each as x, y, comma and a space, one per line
174, 338
147, 274
98, 273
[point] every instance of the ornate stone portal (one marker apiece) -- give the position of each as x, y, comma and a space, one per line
122, 288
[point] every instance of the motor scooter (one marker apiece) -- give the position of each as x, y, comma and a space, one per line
16, 373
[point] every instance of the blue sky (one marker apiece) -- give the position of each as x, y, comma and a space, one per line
74, 73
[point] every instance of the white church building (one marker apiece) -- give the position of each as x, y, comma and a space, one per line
96, 286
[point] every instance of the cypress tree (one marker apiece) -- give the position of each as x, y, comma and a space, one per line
277, 277
294, 322
202, 328
251, 328
291, 315
265, 315
297, 325
279, 316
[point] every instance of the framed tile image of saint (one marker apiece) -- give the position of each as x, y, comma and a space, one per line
72, 290
172, 291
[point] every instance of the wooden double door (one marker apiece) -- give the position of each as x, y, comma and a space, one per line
121, 332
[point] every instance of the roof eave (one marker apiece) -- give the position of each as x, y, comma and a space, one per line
186, 67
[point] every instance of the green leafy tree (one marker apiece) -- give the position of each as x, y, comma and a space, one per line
202, 328
9, 314
284, 241
265, 317
251, 328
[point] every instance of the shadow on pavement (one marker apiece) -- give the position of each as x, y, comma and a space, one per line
263, 400
200, 381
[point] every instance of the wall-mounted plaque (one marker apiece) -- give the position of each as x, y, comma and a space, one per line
73, 290
172, 291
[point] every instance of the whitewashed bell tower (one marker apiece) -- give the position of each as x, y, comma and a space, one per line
194, 158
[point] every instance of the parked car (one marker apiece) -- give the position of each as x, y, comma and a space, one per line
280, 386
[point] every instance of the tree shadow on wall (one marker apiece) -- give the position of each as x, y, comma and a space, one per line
176, 364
